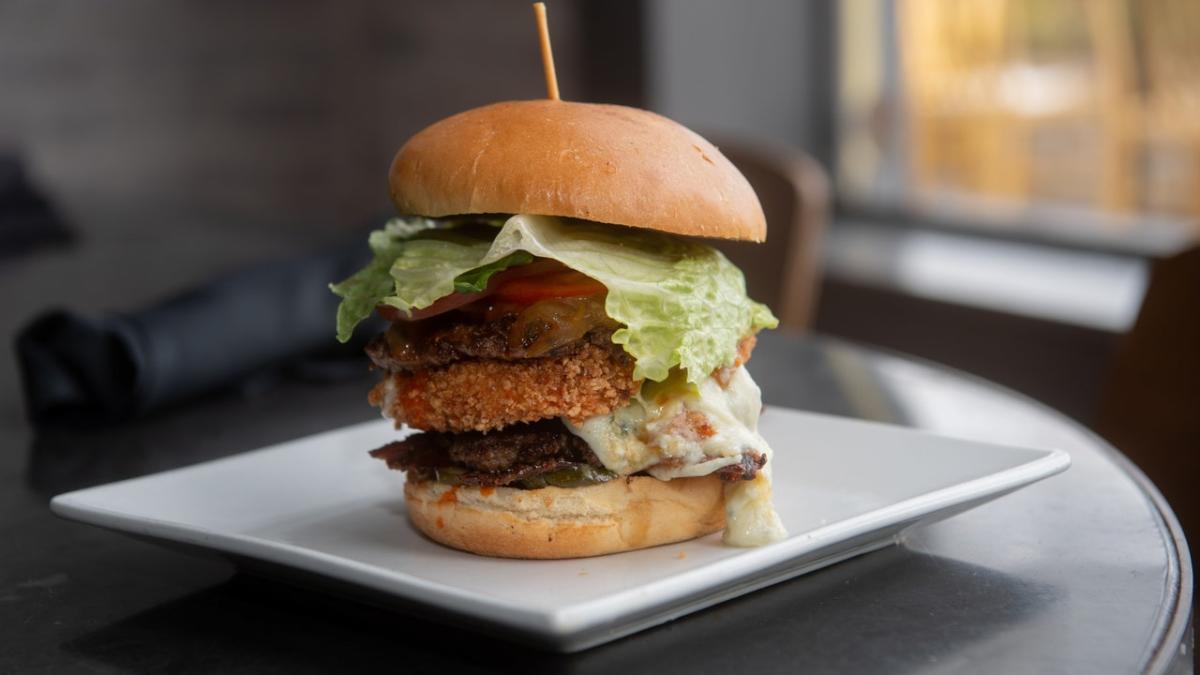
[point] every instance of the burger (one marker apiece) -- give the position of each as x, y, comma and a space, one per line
565, 344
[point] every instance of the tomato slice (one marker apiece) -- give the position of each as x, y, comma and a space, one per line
564, 284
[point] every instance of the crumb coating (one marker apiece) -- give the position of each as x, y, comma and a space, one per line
481, 395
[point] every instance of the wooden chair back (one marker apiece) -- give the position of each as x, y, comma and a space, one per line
794, 191
1150, 406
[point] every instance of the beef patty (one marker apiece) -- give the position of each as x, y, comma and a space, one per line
513, 456
551, 328
466, 341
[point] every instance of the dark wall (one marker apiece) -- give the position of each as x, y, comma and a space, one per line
279, 112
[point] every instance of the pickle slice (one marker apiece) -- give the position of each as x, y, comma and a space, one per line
450, 475
579, 475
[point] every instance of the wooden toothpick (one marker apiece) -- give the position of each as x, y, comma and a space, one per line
539, 12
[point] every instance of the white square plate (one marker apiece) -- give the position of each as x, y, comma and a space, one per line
321, 507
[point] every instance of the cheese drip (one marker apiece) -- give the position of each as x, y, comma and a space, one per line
655, 433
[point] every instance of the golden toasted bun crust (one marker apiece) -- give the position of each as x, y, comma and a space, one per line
606, 163
620, 515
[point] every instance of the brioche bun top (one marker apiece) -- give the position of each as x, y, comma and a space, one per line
606, 163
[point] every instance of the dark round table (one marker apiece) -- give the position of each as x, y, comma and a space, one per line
1086, 572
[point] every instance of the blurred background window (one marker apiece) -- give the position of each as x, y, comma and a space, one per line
1019, 196
1005, 107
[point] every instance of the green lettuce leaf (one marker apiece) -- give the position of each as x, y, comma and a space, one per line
426, 266
416, 262
474, 281
682, 303
363, 291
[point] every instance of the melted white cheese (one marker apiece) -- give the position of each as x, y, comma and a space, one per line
659, 436
389, 397
750, 519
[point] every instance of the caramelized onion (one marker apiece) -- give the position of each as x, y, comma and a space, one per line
548, 324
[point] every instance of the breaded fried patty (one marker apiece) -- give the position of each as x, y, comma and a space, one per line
486, 394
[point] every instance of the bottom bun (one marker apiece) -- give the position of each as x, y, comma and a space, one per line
620, 515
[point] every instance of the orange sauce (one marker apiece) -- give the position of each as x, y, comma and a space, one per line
700, 424
449, 497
